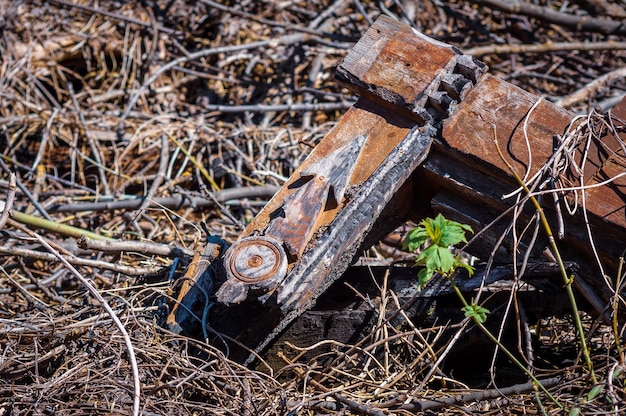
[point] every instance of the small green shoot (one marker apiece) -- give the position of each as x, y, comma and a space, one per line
436, 237
476, 311
594, 392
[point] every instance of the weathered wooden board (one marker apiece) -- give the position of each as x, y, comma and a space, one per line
375, 133
309, 233
414, 92
280, 300
407, 82
467, 145
398, 67
494, 102
609, 202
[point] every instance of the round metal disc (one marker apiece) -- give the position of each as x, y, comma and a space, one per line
255, 259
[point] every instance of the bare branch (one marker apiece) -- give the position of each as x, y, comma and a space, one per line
178, 201
581, 23
591, 89
78, 261
545, 47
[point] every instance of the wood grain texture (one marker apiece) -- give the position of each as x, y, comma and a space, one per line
468, 136
404, 70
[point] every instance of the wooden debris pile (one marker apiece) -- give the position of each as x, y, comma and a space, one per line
147, 126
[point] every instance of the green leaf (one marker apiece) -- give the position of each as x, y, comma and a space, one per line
476, 312
424, 277
436, 259
445, 260
453, 232
415, 239
458, 262
439, 231
434, 228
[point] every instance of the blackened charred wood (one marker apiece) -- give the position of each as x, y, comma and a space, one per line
342, 317
412, 89
333, 250
194, 297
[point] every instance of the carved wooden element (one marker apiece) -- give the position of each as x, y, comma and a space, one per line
424, 125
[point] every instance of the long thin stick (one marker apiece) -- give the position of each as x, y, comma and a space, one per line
94, 292
566, 279
544, 47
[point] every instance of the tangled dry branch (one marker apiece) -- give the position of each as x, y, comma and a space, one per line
154, 123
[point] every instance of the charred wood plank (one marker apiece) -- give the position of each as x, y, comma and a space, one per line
396, 66
340, 316
467, 145
331, 206
333, 250
196, 288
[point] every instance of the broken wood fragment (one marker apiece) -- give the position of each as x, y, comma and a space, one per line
197, 285
424, 125
329, 208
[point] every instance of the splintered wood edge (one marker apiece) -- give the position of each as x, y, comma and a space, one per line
397, 66
335, 250
367, 50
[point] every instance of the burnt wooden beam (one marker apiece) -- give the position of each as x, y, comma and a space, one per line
423, 126
344, 194
282, 295
341, 316
467, 145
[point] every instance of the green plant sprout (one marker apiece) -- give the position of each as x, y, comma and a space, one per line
436, 238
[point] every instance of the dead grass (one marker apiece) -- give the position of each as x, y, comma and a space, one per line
115, 101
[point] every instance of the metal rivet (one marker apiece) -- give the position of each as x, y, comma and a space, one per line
256, 259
